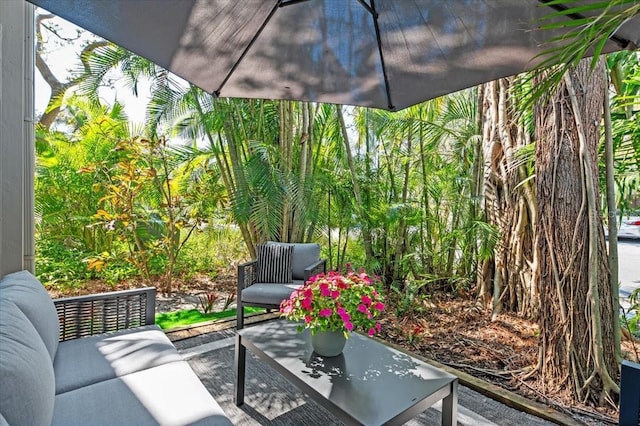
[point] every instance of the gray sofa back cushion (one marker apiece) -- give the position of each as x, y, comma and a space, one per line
27, 391
32, 298
82, 362
304, 255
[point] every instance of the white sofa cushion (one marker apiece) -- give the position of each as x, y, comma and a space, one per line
32, 298
27, 384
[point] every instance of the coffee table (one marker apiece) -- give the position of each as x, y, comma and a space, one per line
370, 383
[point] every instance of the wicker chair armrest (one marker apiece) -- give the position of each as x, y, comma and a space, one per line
315, 268
247, 275
82, 316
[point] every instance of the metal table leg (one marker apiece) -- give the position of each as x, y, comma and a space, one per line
239, 365
450, 406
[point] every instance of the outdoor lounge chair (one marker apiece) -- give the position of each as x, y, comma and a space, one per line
277, 271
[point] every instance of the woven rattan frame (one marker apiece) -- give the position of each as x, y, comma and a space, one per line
101, 313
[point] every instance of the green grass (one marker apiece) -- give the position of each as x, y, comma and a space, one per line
183, 318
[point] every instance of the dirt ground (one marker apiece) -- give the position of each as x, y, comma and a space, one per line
452, 331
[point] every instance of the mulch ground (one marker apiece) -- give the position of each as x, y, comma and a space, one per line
452, 331
455, 332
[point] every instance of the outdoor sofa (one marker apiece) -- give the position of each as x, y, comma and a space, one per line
92, 360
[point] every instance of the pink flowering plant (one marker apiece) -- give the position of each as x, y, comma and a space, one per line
336, 302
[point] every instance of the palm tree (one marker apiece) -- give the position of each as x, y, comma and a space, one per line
410, 169
262, 150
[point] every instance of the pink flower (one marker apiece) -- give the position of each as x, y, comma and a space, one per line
325, 312
306, 304
346, 317
365, 277
340, 283
324, 290
350, 296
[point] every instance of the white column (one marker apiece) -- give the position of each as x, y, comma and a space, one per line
13, 15
29, 138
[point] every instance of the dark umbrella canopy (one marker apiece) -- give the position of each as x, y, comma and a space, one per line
385, 54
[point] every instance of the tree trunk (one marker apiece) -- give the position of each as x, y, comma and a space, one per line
507, 278
577, 339
285, 142
58, 88
366, 232
611, 209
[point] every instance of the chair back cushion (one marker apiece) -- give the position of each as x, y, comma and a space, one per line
304, 255
274, 263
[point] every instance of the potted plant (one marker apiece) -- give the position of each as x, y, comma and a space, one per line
332, 305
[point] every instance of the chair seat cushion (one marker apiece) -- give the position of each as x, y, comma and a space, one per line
268, 293
82, 362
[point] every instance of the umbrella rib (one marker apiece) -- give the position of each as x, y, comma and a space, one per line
622, 42
374, 14
279, 3
284, 3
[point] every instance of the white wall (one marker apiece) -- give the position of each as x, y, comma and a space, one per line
16, 136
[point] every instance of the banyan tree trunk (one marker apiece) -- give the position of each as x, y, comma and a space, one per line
577, 339
507, 279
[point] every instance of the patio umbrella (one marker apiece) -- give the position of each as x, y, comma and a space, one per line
386, 54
